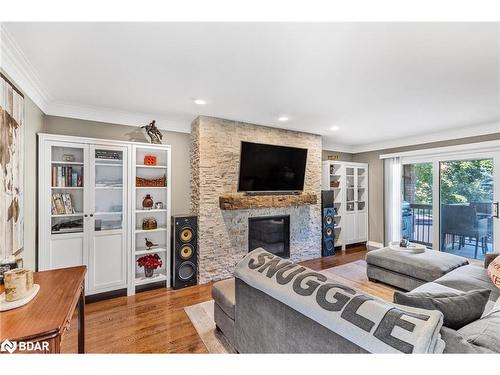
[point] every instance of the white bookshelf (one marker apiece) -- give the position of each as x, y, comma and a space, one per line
103, 230
349, 182
160, 235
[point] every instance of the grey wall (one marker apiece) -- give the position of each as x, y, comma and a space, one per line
180, 142
33, 121
376, 178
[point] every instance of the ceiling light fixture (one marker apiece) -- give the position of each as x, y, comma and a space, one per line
283, 119
334, 128
200, 101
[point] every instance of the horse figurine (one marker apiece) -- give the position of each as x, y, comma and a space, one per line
153, 132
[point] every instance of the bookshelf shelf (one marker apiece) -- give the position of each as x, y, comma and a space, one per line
67, 163
160, 229
68, 215
144, 251
141, 211
152, 166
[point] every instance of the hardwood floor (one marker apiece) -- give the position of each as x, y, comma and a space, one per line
155, 322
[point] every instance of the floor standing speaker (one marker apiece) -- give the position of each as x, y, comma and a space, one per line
184, 251
328, 224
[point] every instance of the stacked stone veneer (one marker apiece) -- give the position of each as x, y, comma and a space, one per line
223, 234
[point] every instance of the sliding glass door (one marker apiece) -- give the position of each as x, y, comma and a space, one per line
449, 201
467, 196
417, 218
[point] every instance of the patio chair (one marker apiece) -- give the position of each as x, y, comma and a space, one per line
462, 221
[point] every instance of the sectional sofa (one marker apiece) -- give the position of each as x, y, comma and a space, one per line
258, 318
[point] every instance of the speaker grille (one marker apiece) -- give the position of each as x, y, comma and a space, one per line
186, 271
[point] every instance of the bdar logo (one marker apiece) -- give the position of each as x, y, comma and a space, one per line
8, 346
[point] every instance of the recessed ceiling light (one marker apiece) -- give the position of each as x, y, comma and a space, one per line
334, 128
200, 101
283, 119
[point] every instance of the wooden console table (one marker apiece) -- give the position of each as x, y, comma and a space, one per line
48, 315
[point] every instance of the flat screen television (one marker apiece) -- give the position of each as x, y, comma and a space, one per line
269, 168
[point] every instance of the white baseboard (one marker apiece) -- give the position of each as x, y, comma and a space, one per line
378, 245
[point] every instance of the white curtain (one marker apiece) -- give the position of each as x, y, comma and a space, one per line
392, 199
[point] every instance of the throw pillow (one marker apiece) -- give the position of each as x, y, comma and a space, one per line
458, 310
494, 271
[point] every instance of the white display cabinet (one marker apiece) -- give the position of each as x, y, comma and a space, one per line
89, 206
349, 181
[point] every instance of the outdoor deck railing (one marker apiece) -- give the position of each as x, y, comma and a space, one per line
421, 223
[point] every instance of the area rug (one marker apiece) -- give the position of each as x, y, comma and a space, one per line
350, 274
202, 318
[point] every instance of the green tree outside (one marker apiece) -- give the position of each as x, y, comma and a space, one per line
462, 181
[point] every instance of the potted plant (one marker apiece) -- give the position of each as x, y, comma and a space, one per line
150, 262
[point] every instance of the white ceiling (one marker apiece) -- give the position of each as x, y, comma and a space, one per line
382, 84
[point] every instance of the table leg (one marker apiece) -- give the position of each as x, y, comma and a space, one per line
81, 321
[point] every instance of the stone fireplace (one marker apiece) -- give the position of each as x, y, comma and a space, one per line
223, 233
271, 233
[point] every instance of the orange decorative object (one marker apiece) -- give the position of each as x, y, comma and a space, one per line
149, 160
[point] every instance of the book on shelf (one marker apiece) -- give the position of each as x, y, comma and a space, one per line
62, 204
63, 176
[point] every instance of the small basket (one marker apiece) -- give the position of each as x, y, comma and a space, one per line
149, 223
153, 182
335, 184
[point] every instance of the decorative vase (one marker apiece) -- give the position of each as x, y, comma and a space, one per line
148, 272
147, 202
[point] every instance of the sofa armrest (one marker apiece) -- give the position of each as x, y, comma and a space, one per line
489, 258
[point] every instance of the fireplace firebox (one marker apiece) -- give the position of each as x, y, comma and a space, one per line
271, 233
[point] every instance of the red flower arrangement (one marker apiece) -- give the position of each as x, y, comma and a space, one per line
151, 261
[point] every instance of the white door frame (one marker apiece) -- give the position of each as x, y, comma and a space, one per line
468, 154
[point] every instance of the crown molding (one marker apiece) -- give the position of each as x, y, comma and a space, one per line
114, 116
18, 68
327, 146
446, 135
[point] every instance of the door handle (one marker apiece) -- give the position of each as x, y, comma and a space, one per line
495, 210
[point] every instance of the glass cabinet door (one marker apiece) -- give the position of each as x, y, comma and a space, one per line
67, 197
361, 188
108, 184
350, 188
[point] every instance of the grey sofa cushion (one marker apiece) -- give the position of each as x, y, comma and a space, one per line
223, 293
427, 266
458, 310
468, 278
435, 288
457, 344
484, 332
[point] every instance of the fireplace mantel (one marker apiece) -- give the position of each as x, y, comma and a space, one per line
243, 202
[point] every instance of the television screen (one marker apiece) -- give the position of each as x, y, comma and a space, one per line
268, 168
